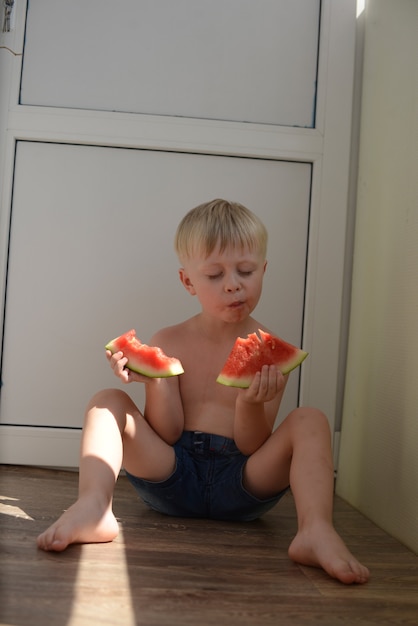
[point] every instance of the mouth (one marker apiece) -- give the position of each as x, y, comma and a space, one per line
236, 305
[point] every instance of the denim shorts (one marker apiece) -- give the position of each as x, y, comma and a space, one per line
206, 483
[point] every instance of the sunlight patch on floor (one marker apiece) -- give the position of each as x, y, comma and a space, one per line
109, 601
12, 509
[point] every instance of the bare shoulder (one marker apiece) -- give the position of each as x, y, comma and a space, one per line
269, 331
171, 336
256, 325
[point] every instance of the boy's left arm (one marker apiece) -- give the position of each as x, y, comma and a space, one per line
256, 409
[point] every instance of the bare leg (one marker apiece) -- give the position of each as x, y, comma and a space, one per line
299, 453
114, 432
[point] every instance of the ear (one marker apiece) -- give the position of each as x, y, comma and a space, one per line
186, 282
265, 266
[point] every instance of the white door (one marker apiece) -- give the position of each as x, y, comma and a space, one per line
110, 140
91, 256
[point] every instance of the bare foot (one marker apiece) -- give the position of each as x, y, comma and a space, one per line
323, 547
86, 521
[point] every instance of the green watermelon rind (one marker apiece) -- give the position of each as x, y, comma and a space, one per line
243, 382
173, 366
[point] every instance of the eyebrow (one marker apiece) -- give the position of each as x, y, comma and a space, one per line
216, 265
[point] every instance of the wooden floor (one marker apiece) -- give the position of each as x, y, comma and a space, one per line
165, 571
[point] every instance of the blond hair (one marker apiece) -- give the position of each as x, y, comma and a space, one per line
219, 223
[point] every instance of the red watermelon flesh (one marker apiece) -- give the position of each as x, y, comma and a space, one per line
248, 356
147, 360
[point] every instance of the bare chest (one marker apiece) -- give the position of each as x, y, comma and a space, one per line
204, 400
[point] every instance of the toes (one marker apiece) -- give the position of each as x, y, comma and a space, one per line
352, 572
361, 573
42, 541
50, 541
58, 546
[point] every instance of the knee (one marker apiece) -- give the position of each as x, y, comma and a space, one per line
310, 418
108, 398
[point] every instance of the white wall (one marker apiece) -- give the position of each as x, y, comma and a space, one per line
378, 469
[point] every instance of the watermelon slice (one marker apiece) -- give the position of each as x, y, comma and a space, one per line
248, 356
143, 359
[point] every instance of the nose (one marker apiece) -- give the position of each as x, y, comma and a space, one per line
232, 286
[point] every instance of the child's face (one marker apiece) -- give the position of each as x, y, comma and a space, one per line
228, 283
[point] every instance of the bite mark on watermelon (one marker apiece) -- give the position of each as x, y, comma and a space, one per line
248, 356
149, 361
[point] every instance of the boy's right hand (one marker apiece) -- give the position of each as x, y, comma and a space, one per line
118, 364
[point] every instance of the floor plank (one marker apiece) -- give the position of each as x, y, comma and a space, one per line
164, 571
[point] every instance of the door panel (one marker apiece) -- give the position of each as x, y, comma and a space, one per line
236, 60
91, 255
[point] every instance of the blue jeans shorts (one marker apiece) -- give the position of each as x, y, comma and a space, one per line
207, 482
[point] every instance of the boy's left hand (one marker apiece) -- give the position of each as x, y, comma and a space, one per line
265, 386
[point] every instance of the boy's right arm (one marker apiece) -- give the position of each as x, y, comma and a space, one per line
164, 409
163, 406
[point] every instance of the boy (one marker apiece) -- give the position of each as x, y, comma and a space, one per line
199, 448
